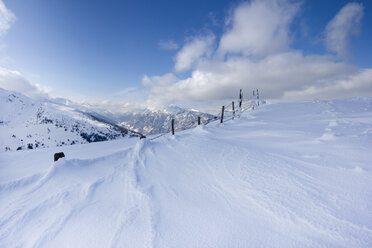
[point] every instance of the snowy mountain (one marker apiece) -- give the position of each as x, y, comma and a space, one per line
284, 175
26, 123
148, 121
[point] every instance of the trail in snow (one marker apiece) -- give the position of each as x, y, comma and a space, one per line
286, 175
71, 199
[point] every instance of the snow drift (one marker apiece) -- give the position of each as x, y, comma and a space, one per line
285, 175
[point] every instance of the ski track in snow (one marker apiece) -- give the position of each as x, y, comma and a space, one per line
286, 175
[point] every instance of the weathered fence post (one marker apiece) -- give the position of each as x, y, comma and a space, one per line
258, 99
223, 110
58, 155
233, 109
240, 98
257, 95
198, 120
172, 126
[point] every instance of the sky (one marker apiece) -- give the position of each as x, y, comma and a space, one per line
132, 54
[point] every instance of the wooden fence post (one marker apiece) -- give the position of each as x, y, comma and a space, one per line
233, 109
223, 109
240, 98
198, 120
172, 126
58, 155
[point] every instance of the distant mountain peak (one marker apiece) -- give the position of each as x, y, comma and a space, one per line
28, 124
151, 121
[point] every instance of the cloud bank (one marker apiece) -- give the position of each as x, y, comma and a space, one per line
15, 81
255, 52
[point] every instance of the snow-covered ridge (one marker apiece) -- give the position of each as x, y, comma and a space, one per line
26, 123
284, 175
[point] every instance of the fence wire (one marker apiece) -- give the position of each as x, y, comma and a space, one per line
229, 114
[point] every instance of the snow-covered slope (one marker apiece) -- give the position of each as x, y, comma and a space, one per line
148, 121
30, 124
285, 175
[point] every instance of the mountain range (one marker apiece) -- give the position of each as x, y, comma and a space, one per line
27, 123
147, 121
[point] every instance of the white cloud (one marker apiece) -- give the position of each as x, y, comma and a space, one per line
257, 44
169, 45
290, 76
113, 106
358, 83
259, 27
163, 81
193, 52
344, 25
10, 79
15, 81
6, 18
259, 56
156, 84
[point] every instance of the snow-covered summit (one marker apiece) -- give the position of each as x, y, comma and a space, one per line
26, 123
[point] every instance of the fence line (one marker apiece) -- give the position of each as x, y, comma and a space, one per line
227, 112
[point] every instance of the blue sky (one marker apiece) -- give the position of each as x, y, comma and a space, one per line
100, 46
161, 52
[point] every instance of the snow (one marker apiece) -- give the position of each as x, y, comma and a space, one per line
284, 175
26, 123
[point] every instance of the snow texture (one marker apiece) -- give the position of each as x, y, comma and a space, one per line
283, 175
26, 123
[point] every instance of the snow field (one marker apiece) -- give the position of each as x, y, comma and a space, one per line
285, 175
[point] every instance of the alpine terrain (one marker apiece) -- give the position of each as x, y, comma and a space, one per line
295, 174
26, 123
147, 121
